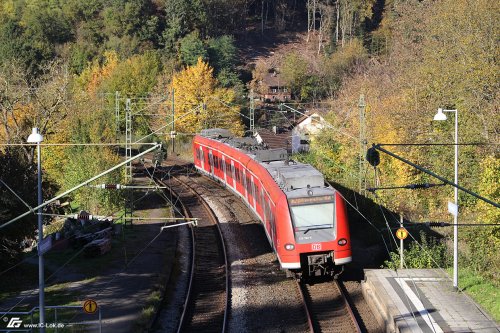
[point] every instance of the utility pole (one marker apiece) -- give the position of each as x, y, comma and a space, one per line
252, 113
363, 142
401, 247
128, 140
117, 116
172, 133
129, 197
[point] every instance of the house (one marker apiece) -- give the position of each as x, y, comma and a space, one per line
273, 88
304, 129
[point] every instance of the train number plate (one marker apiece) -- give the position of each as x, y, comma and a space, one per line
316, 247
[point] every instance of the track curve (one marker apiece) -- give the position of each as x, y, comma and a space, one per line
207, 301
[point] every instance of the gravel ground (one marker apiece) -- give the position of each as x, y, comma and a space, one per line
262, 298
369, 322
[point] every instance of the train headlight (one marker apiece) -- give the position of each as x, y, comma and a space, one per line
342, 242
289, 247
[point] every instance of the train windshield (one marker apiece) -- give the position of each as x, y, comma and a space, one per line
313, 217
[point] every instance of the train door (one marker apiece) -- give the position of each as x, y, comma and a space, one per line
202, 159
211, 162
224, 168
233, 174
273, 232
245, 186
253, 193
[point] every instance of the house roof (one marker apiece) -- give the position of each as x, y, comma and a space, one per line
308, 114
272, 140
273, 80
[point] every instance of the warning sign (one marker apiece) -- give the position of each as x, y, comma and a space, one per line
90, 306
401, 233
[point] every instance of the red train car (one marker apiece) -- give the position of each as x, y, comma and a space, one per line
304, 220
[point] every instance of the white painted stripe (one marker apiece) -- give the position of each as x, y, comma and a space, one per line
342, 261
290, 265
419, 306
429, 279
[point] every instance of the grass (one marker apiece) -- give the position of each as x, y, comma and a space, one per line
150, 309
483, 292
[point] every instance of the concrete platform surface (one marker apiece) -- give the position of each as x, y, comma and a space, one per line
423, 300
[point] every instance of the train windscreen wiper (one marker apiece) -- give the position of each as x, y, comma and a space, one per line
318, 228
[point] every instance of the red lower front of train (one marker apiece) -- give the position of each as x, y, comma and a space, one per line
304, 249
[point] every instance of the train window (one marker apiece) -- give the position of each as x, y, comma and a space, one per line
232, 170
241, 176
257, 193
237, 174
261, 202
253, 192
247, 185
268, 210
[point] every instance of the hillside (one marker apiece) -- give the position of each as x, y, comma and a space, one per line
69, 66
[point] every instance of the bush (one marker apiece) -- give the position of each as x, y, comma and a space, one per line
428, 253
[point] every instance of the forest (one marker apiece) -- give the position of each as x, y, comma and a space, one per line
64, 62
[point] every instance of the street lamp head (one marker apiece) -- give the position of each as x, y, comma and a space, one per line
440, 115
35, 137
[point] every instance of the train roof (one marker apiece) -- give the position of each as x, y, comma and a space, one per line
289, 175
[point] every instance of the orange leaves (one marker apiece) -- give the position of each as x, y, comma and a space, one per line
93, 76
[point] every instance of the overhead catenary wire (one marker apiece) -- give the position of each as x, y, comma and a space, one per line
79, 186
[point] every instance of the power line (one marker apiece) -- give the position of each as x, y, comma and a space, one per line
81, 185
377, 147
74, 144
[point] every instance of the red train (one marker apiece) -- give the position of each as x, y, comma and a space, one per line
304, 220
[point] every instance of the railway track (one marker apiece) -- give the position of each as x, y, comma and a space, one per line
207, 300
328, 308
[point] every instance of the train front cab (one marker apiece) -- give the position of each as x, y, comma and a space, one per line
321, 236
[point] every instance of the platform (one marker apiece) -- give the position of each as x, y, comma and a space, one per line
422, 300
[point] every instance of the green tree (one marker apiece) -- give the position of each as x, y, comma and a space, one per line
192, 48
222, 53
295, 72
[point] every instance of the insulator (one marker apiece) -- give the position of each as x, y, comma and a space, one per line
437, 224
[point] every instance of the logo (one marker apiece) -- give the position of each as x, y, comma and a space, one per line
316, 247
90, 306
15, 322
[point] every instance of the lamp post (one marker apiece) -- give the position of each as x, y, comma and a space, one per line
36, 137
441, 116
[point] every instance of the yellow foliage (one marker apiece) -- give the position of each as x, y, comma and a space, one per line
21, 117
55, 157
92, 77
199, 103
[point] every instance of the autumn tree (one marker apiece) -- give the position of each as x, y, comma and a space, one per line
200, 103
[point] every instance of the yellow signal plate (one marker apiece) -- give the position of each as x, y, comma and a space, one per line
90, 306
402, 233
